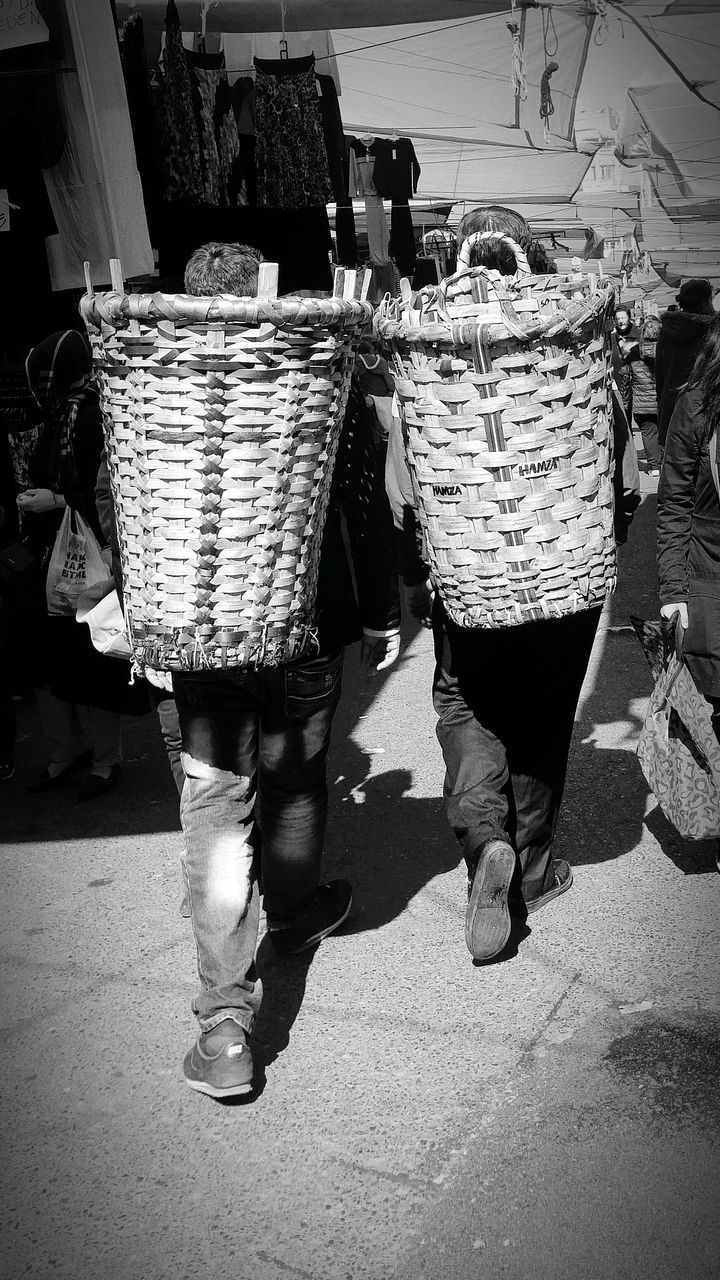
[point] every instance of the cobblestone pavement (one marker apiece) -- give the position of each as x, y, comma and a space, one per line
555, 1115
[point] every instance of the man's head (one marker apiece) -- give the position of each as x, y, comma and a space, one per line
495, 217
623, 323
223, 268
696, 296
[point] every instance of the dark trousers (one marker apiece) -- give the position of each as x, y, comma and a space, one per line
246, 736
648, 425
506, 703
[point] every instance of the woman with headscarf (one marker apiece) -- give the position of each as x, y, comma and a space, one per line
688, 526
80, 693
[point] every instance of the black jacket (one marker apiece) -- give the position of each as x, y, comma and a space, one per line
688, 539
682, 334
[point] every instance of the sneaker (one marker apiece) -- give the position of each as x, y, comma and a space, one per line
7, 771
328, 910
220, 1063
487, 920
563, 880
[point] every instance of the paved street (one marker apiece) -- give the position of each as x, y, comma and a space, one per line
555, 1116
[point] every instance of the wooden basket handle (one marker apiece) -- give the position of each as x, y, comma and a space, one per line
521, 262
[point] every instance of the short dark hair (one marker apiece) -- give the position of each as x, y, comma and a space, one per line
223, 268
622, 306
495, 217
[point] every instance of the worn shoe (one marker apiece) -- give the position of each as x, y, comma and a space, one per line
487, 920
48, 781
563, 880
328, 910
220, 1063
95, 785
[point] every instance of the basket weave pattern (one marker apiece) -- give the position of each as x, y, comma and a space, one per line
222, 420
503, 384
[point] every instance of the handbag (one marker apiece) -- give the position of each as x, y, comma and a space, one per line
75, 564
17, 562
679, 753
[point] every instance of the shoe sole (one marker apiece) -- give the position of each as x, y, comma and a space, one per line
550, 896
487, 920
232, 1091
314, 940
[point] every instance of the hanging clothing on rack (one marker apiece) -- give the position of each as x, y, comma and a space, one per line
184, 173
217, 130
363, 155
242, 96
337, 153
241, 48
290, 153
142, 111
396, 175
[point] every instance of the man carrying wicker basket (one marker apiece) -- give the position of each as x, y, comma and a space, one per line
505, 453
263, 734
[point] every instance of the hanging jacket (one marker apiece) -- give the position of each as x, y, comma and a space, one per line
682, 334
688, 539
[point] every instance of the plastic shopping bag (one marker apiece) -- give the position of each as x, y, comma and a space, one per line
75, 564
680, 755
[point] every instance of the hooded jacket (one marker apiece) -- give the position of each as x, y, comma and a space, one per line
682, 334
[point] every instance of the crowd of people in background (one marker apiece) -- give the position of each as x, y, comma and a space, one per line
238, 737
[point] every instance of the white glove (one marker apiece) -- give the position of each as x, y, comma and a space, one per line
667, 611
379, 649
161, 679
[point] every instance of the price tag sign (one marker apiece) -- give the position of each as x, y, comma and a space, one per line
20, 23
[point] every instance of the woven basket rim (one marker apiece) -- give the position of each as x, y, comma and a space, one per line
461, 329
119, 308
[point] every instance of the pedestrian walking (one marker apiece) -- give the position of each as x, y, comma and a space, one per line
254, 749
682, 334
505, 701
625, 338
81, 694
688, 530
644, 395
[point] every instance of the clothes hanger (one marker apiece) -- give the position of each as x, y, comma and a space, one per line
284, 53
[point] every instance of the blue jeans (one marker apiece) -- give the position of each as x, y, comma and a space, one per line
506, 703
253, 811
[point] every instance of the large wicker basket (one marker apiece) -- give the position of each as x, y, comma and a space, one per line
222, 421
504, 389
